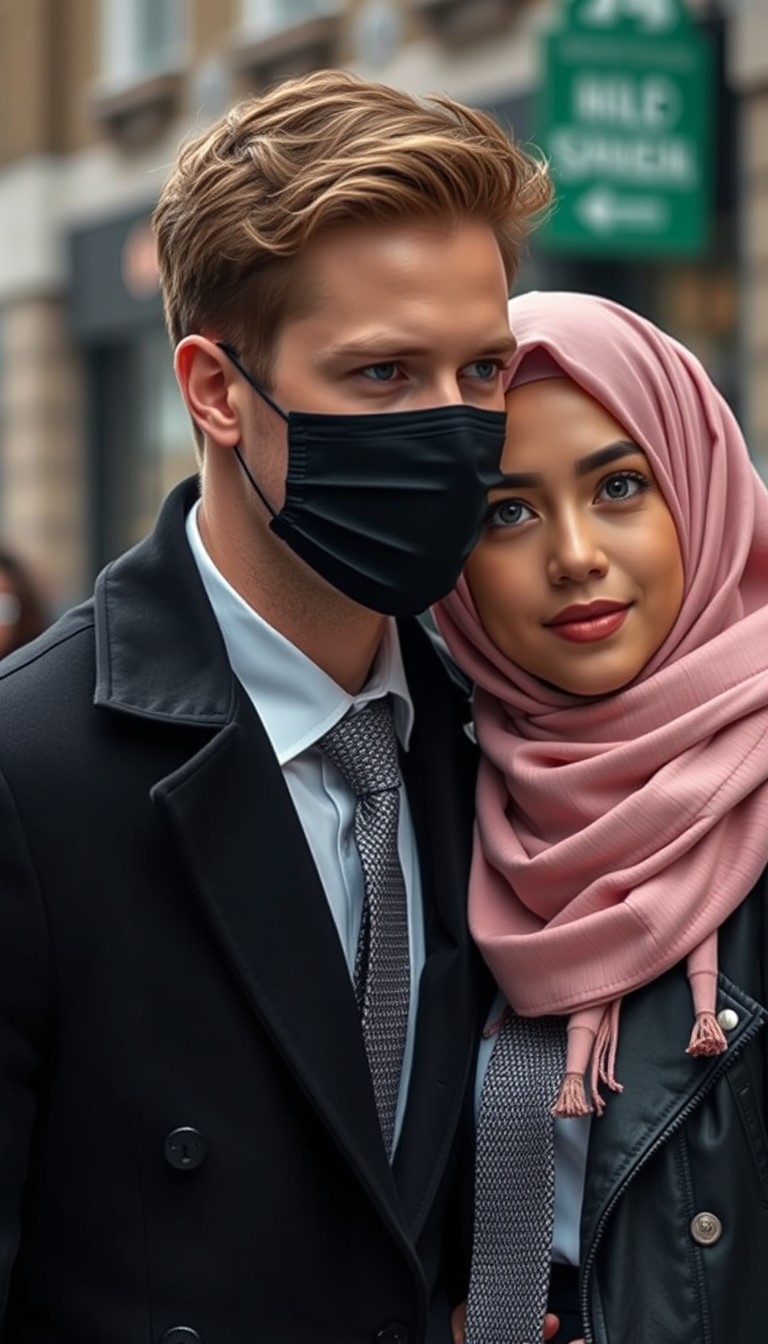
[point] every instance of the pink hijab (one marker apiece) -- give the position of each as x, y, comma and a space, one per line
614, 836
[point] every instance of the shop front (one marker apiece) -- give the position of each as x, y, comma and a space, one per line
139, 436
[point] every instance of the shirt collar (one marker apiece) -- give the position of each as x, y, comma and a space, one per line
297, 702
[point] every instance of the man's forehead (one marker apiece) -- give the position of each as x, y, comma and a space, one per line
407, 259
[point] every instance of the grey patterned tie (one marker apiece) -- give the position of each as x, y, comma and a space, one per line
363, 746
515, 1183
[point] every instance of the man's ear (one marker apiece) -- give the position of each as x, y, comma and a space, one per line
211, 389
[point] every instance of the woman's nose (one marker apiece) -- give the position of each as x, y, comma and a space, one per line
576, 553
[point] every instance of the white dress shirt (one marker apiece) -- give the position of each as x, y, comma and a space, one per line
297, 703
571, 1142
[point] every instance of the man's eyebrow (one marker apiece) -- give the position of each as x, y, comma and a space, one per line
613, 452
390, 345
505, 343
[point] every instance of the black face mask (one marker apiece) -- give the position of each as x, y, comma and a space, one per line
386, 507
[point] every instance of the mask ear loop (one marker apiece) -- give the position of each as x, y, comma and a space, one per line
230, 353
252, 479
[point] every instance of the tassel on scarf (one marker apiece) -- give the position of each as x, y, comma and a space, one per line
571, 1099
592, 1042
707, 1037
593, 1037
604, 1055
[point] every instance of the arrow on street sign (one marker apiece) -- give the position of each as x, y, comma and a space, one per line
605, 211
625, 121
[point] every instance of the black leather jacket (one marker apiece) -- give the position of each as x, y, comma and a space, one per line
674, 1229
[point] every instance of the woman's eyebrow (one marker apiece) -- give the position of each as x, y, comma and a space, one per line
603, 456
523, 480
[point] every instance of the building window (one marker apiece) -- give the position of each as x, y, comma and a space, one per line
281, 38
260, 17
140, 39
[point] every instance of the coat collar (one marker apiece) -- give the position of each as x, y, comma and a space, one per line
159, 651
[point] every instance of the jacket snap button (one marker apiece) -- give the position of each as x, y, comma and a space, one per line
394, 1333
728, 1019
180, 1334
706, 1229
184, 1148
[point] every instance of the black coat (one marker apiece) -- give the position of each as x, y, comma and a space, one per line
674, 1227
168, 961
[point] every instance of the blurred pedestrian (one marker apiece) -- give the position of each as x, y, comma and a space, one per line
237, 992
614, 619
23, 613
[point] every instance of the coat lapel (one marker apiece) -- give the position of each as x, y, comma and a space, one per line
249, 864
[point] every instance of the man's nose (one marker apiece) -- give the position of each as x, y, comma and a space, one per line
445, 390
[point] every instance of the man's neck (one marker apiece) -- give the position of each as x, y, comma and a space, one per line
339, 636
345, 649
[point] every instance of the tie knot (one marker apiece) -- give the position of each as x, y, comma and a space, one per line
363, 746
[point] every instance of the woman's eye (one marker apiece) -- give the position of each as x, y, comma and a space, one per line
380, 373
508, 513
623, 485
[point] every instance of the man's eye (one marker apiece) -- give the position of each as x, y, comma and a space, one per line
508, 513
485, 369
380, 373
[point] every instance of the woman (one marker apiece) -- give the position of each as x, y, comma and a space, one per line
22, 613
613, 618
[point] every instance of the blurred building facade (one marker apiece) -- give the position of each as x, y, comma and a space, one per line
95, 96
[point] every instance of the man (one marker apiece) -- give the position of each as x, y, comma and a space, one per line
236, 1005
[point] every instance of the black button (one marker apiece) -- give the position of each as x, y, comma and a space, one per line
181, 1334
185, 1148
394, 1333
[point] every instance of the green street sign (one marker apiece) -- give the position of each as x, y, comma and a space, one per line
624, 119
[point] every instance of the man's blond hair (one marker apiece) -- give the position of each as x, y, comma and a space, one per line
247, 196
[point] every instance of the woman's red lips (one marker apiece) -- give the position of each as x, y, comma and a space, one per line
586, 611
590, 621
